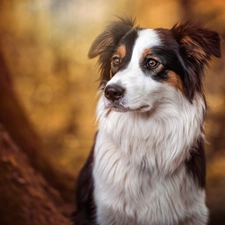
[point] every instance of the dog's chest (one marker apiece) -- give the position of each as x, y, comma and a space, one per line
139, 171
127, 193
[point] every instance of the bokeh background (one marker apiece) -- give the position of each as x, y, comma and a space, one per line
44, 45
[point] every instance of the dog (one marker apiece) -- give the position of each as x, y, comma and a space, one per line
147, 165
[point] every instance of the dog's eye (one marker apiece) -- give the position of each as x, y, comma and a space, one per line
115, 61
151, 63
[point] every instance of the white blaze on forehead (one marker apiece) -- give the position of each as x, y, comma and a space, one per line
147, 38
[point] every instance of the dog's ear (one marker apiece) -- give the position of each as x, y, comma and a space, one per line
197, 45
105, 44
196, 41
107, 40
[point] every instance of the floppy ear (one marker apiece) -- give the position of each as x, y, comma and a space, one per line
105, 44
197, 46
110, 37
197, 42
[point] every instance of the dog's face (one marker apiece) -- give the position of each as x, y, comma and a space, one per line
143, 67
141, 72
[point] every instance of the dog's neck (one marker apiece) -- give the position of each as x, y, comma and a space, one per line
159, 140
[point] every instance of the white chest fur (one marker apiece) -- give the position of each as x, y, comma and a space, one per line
139, 166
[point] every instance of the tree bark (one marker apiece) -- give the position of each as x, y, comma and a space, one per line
26, 198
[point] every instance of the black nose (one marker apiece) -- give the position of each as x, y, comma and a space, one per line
114, 92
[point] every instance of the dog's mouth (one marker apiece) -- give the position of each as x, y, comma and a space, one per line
119, 107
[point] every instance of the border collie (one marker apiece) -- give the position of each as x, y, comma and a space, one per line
147, 166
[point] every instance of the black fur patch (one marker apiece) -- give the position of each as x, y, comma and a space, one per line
85, 206
128, 40
196, 164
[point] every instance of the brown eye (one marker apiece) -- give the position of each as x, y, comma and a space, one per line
115, 61
151, 63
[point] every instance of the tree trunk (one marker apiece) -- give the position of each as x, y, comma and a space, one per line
20, 129
33, 189
26, 198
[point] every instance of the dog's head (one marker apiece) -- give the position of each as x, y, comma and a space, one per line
140, 67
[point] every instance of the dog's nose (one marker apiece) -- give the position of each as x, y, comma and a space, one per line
114, 92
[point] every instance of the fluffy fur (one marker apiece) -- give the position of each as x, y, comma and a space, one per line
147, 166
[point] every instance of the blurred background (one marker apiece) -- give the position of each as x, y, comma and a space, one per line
43, 51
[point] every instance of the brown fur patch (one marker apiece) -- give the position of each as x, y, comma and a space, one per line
110, 75
122, 51
194, 49
175, 81
146, 52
